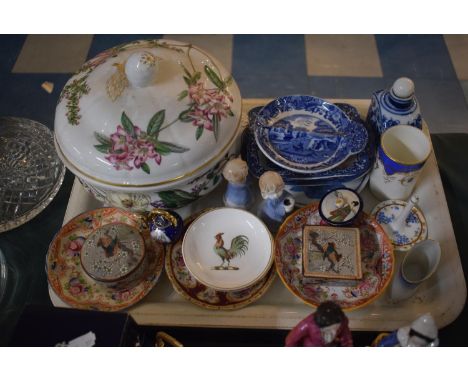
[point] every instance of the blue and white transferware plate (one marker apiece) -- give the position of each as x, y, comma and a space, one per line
353, 167
414, 229
305, 133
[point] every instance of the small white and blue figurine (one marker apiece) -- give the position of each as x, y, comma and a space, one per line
422, 332
165, 226
396, 106
277, 203
238, 192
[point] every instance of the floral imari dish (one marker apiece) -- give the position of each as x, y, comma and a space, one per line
307, 134
377, 262
148, 124
411, 232
227, 249
199, 294
75, 287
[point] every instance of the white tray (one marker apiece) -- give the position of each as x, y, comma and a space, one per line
443, 295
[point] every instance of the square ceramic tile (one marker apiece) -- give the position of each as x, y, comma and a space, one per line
53, 53
218, 45
458, 49
331, 253
415, 56
342, 55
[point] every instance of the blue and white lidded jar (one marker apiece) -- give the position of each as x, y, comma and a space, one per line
397, 106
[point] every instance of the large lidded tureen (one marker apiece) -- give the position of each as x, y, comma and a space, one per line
148, 124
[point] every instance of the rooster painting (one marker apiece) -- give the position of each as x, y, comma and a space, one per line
239, 246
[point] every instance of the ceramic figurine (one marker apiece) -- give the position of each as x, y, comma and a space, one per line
396, 106
421, 332
328, 326
238, 193
165, 226
277, 203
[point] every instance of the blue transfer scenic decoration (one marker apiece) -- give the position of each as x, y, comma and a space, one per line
303, 133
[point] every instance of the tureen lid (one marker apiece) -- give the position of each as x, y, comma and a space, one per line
147, 113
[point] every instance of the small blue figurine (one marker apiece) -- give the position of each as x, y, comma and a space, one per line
238, 193
277, 203
165, 226
422, 332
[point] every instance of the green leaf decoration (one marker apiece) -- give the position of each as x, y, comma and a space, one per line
187, 72
155, 123
177, 198
196, 77
127, 124
101, 138
182, 95
187, 81
184, 116
145, 168
216, 126
170, 147
214, 78
199, 132
103, 148
228, 81
230, 113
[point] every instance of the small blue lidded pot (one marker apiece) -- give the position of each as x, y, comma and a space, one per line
340, 206
165, 226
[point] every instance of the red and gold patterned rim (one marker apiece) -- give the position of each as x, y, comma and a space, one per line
376, 255
197, 293
68, 279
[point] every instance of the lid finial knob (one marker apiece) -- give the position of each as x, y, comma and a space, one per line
403, 87
141, 68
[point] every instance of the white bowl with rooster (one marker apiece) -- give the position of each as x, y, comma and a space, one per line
228, 249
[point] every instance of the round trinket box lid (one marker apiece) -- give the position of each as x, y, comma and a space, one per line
340, 206
227, 249
147, 113
112, 252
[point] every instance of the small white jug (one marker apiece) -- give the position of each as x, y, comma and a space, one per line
417, 266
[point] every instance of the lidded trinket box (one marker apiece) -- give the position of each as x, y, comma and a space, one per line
148, 124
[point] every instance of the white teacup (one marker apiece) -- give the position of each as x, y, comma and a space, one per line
402, 152
417, 266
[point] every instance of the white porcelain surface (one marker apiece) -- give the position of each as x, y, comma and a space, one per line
418, 265
403, 146
444, 294
228, 225
151, 114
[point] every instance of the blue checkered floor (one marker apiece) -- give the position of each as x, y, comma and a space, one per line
328, 66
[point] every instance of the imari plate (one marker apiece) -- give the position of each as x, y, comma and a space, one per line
377, 262
301, 133
199, 294
71, 283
